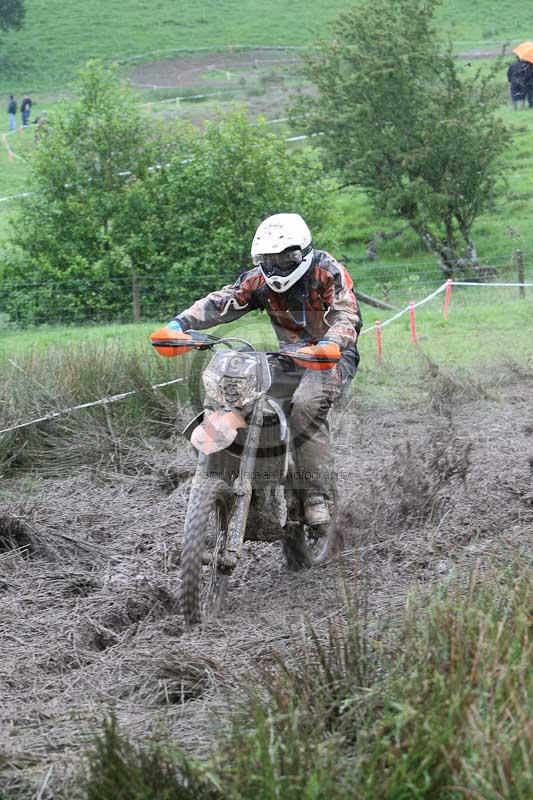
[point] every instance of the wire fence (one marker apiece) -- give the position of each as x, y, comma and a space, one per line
127, 297
377, 327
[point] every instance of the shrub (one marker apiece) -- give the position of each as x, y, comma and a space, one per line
123, 215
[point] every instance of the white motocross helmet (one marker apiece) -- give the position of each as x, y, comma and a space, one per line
283, 249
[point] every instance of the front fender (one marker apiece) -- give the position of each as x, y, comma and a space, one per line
217, 431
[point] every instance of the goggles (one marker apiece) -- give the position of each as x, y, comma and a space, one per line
279, 263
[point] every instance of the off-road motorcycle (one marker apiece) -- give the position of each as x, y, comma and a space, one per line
246, 483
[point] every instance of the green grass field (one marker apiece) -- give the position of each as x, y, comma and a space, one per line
58, 37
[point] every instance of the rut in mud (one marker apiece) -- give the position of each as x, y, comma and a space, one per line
89, 574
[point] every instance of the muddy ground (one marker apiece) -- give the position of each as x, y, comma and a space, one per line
206, 70
263, 80
89, 573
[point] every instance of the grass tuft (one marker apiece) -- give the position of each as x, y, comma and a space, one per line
435, 707
112, 436
119, 770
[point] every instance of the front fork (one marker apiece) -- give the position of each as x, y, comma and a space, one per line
294, 497
242, 489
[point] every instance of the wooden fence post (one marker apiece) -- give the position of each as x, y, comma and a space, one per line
447, 298
136, 298
518, 258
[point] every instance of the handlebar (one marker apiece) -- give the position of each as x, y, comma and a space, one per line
206, 341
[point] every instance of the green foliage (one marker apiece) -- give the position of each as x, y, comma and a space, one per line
288, 738
12, 14
117, 770
404, 124
455, 708
443, 705
218, 188
88, 164
114, 202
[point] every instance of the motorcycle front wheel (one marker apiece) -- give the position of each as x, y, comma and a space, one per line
203, 580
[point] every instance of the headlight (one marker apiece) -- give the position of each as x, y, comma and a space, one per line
212, 388
231, 379
237, 392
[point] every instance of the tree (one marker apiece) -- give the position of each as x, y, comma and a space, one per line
122, 212
218, 187
11, 14
402, 122
90, 158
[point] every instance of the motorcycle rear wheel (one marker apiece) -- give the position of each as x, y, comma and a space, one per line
203, 581
305, 546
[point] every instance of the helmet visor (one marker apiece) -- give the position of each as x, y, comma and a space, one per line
279, 263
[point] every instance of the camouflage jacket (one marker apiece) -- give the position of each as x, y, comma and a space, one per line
321, 305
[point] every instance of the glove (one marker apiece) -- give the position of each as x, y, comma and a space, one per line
323, 355
165, 340
174, 325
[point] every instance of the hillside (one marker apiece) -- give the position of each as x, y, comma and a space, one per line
59, 36
403, 267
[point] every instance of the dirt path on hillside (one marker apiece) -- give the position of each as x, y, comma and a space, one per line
207, 70
212, 71
88, 620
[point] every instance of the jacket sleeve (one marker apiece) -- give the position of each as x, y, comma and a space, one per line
225, 305
343, 316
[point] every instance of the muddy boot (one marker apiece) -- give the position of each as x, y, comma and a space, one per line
296, 553
317, 511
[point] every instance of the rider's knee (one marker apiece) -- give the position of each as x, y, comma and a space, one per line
309, 409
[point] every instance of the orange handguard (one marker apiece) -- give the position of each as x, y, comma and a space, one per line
171, 343
318, 356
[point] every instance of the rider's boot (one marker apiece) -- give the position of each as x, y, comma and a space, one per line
316, 511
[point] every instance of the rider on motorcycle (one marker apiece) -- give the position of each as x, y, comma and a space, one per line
310, 300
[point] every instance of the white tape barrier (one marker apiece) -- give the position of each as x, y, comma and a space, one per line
227, 48
473, 283
103, 402
16, 196
8, 198
406, 309
434, 294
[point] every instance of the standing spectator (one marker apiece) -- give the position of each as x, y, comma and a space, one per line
528, 83
516, 75
25, 108
12, 113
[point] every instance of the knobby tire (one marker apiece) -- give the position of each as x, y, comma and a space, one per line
203, 587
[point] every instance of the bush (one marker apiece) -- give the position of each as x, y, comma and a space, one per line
122, 212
